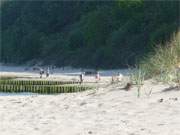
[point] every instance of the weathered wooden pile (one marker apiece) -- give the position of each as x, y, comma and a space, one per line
42, 87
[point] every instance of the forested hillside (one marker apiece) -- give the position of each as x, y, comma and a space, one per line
111, 34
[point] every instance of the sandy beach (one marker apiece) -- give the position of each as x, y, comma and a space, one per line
105, 110
89, 67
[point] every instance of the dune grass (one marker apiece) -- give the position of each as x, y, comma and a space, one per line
137, 78
164, 63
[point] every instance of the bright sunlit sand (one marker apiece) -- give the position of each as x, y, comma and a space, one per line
106, 110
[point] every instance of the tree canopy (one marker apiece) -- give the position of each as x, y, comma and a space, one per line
94, 34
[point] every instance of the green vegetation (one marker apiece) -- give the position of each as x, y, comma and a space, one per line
137, 78
37, 82
95, 34
42, 87
164, 63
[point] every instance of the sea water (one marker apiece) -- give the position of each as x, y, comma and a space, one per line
18, 94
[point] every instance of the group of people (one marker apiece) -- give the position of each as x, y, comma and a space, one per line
97, 77
41, 72
115, 78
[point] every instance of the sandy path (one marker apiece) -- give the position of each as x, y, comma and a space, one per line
108, 111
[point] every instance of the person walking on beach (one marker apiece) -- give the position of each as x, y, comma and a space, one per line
41, 72
47, 72
97, 77
120, 77
81, 77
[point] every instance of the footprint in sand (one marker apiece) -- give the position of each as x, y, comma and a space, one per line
99, 105
66, 107
174, 99
36, 128
17, 102
83, 103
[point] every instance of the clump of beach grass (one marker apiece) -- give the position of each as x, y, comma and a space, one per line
137, 78
164, 63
